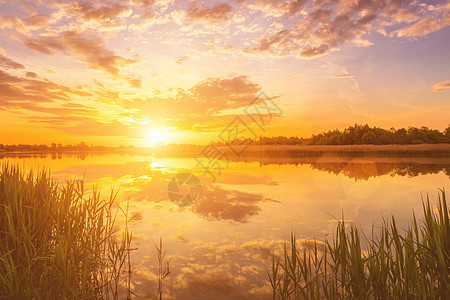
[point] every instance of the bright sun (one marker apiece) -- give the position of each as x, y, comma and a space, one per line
157, 136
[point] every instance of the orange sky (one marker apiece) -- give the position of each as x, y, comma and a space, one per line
141, 72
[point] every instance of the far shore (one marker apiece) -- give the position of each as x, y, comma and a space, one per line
260, 150
362, 150
419, 147
354, 148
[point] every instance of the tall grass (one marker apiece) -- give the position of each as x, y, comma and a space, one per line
56, 242
163, 268
413, 263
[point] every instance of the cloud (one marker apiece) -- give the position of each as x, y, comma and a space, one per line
424, 27
342, 76
261, 249
441, 86
225, 93
199, 107
437, 19
220, 12
135, 82
299, 28
208, 281
239, 263
181, 60
317, 33
31, 75
30, 94
49, 71
7, 22
145, 283
8, 63
220, 204
144, 3
37, 21
195, 109
112, 14
209, 105
84, 124
326, 25
45, 45
274, 8
90, 47
216, 47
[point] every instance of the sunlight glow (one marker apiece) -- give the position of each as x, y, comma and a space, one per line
157, 136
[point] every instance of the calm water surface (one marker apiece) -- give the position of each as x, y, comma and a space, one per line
221, 246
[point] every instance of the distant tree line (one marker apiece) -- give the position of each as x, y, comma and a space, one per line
353, 135
59, 147
363, 134
360, 135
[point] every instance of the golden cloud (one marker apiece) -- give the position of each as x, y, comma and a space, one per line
7, 22
18, 92
325, 25
345, 75
90, 47
111, 14
8, 63
220, 12
441, 86
438, 18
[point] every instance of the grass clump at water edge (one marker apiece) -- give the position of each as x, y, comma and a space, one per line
397, 264
58, 243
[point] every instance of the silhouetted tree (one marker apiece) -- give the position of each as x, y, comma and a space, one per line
360, 134
369, 138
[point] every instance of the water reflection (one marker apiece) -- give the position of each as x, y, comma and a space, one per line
222, 244
221, 204
363, 170
358, 168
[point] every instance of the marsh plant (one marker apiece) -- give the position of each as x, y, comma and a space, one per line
163, 268
410, 263
58, 241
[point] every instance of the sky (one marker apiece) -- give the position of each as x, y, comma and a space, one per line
143, 72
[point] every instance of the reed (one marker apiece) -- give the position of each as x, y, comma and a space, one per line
413, 263
163, 268
57, 242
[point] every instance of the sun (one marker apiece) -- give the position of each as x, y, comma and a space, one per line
157, 136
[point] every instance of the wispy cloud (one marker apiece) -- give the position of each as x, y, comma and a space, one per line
438, 17
217, 13
181, 60
37, 21
441, 86
108, 14
342, 76
325, 26
275, 8
18, 93
13, 23
8, 63
88, 46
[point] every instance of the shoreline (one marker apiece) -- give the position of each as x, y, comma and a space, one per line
351, 150
263, 150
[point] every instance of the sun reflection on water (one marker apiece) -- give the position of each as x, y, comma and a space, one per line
227, 237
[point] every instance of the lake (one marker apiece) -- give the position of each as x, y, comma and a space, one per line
221, 241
